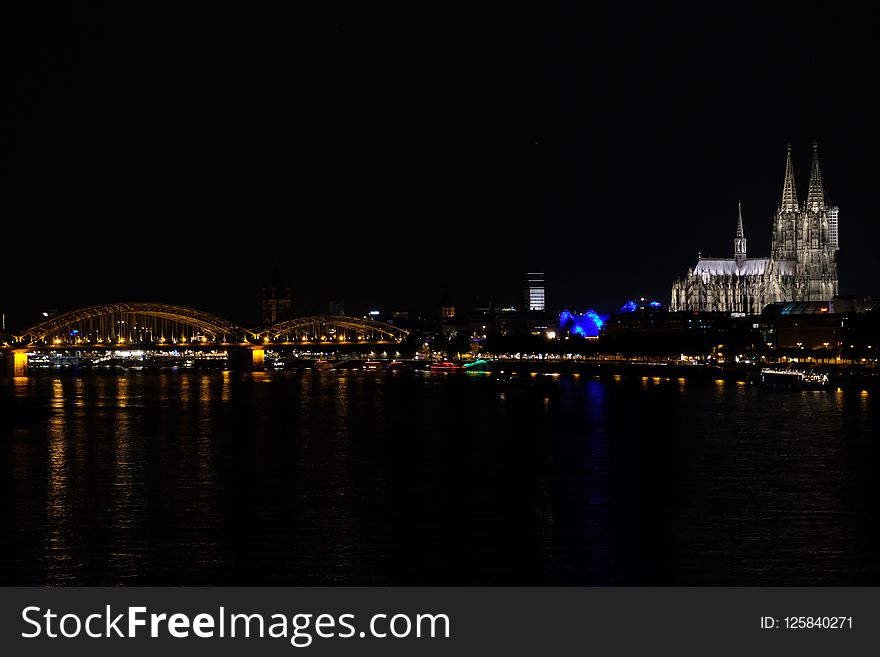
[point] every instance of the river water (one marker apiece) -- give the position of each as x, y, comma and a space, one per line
409, 478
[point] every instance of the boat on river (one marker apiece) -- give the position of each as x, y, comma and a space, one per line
445, 366
794, 378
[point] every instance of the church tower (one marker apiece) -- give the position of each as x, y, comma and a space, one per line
802, 265
817, 250
739, 242
785, 227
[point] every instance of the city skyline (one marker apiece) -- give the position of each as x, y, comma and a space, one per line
382, 166
324, 295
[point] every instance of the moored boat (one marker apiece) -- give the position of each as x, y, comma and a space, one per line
793, 377
445, 366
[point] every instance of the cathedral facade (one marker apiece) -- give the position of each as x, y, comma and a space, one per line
802, 265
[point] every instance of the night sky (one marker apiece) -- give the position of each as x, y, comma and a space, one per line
378, 155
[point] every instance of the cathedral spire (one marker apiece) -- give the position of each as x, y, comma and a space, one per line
789, 193
816, 193
739, 243
739, 221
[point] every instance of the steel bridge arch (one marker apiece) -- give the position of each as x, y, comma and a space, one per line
317, 324
204, 322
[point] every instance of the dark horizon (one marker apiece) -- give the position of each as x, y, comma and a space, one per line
381, 157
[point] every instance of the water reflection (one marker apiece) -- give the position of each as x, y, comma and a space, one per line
21, 385
204, 513
340, 485
597, 481
184, 386
366, 478
61, 566
125, 550
225, 390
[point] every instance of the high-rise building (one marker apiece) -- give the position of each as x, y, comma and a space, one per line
802, 265
533, 291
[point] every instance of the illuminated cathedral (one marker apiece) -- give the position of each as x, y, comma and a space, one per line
802, 265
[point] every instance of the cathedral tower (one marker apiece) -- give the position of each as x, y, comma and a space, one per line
739, 242
785, 227
816, 251
802, 265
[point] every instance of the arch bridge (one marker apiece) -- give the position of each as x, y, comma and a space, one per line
325, 329
160, 324
133, 323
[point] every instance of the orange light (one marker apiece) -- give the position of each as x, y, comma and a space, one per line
259, 358
19, 363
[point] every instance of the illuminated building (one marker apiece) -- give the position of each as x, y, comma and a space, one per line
591, 323
534, 291
586, 325
802, 265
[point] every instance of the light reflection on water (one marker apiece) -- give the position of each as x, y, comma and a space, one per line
388, 478
56, 547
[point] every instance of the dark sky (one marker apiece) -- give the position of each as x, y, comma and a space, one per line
378, 154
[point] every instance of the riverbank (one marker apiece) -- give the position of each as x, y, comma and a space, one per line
838, 376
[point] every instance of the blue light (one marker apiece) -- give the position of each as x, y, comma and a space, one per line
74, 332
595, 318
655, 304
629, 307
587, 325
